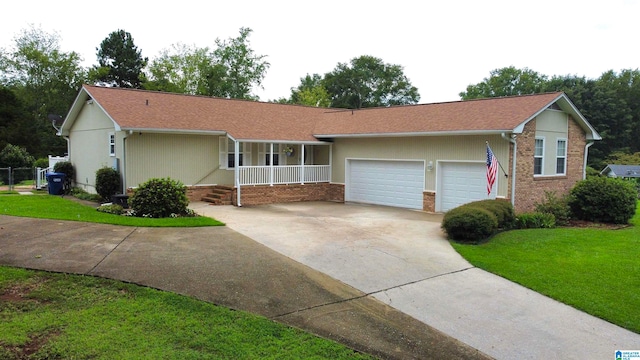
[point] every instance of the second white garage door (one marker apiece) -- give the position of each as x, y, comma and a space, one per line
391, 183
461, 183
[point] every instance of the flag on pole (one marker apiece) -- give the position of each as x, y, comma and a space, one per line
492, 169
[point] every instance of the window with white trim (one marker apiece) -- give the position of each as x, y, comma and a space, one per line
112, 144
227, 149
538, 156
561, 156
265, 155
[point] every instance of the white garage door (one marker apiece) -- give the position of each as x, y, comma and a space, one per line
461, 183
392, 183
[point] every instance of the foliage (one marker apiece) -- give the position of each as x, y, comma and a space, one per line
120, 63
310, 92
68, 170
45, 81
603, 199
506, 81
558, 206
63, 316
114, 209
180, 69
108, 182
535, 220
237, 68
16, 126
81, 194
56, 207
502, 209
42, 163
592, 172
570, 265
369, 82
622, 158
469, 224
14, 156
160, 198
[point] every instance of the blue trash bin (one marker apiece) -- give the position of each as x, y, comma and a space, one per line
55, 183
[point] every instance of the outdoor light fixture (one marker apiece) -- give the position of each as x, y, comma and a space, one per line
430, 166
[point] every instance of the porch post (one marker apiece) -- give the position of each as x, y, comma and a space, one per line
236, 169
330, 161
302, 164
271, 164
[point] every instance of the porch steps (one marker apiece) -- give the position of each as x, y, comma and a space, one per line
219, 195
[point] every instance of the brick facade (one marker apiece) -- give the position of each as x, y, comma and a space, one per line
429, 201
266, 194
196, 193
531, 190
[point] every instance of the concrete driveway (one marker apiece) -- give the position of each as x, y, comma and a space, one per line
401, 258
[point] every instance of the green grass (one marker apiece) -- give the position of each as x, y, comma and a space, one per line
56, 207
60, 316
593, 270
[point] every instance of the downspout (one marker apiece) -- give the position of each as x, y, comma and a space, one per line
512, 140
586, 154
236, 169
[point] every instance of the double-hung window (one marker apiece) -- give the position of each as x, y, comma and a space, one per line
561, 156
112, 144
538, 156
227, 148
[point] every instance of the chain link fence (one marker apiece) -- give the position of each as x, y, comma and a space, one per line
10, 178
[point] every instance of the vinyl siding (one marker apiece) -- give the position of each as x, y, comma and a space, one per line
192, 159
551, 125
426, 148
89, 145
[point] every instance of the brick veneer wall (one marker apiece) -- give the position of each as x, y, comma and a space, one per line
530, 190
429, 201
266, 194
195, 193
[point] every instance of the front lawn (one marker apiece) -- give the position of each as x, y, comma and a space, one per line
594, 270
59, 316
59, 208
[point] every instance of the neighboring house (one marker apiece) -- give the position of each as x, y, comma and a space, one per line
429, 157
622, 171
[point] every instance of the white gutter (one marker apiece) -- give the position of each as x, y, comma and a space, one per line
175, 131
415, 133
512, 140
586, 154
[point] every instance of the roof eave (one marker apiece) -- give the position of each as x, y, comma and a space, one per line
418, 133
174, 131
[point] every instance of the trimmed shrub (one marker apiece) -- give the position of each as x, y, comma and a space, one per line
107, 182
558, 206
42, 163
69, 172
603, 199
159, 198
469, 224
111, 209
502, 209
535, 220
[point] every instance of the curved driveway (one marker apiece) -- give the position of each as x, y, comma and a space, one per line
401, 258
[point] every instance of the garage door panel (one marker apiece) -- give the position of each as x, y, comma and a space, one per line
392, 183
462, 183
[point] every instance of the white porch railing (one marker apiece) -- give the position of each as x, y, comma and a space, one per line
286, 174
41, 176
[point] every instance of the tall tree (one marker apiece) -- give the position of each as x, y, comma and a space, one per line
310, 92
120, 63
368, 82
506, 81
45, 80
237, 69
181, 69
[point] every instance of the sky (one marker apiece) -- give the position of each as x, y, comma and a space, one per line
443, 46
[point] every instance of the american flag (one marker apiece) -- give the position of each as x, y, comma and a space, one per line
492, 169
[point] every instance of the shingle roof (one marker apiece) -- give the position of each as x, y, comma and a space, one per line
623, 170
249, 120
495, 114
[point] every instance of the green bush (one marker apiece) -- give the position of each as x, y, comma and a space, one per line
558, 206
502, 209
83, 195
535, 220
42, 163
107, 182
69, 172
14, 156
603, 199
111, 209
159, 198
469, 224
